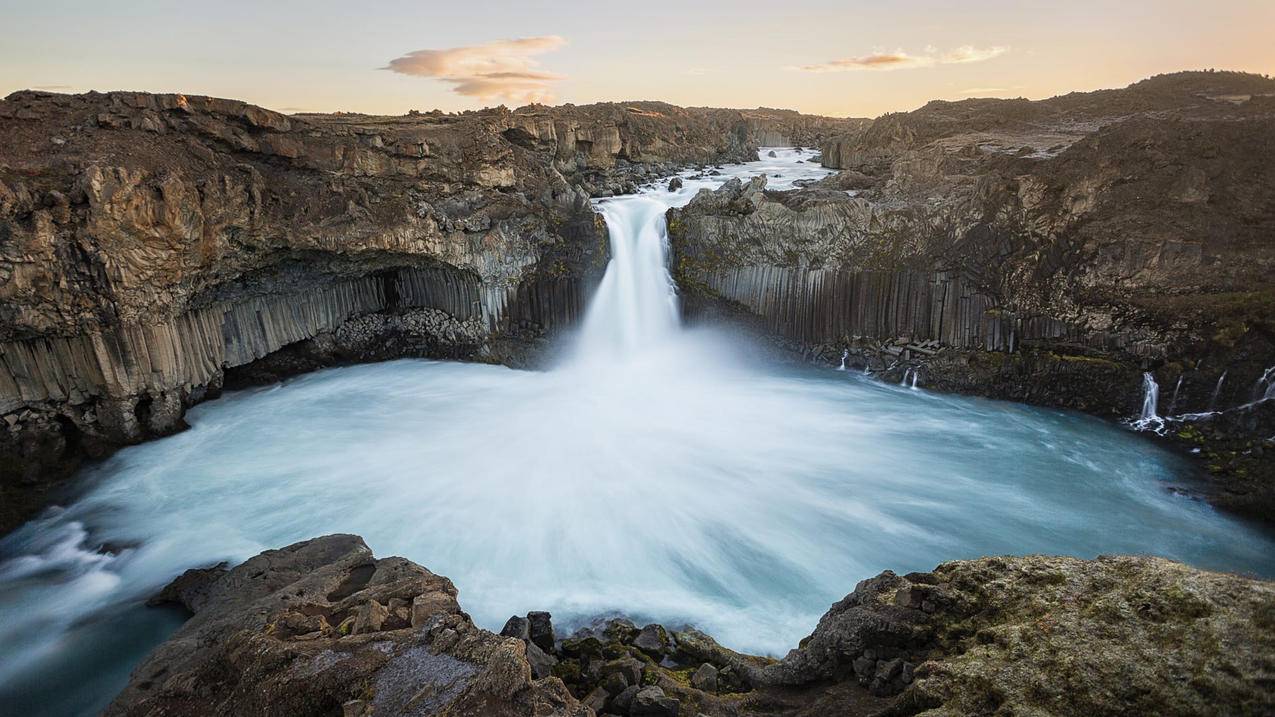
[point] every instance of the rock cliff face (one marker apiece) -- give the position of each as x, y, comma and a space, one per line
1048, 251
322, 627
149, 244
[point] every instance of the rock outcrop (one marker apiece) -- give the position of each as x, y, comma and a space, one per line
323, 628
1049, 252
155, 247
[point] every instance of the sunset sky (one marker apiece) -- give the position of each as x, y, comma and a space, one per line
843, 57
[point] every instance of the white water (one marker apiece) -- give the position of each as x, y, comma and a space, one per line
1264, 389
1150, 398
657, 472
1217, 391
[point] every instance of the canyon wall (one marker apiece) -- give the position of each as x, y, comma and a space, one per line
153, 247
1049, 252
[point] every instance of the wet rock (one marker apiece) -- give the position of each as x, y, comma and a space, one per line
675, 184
540, 630
623, 702
541, 662
190, 589
517, 627
596, 699
771, 153
652, 702
630, 668
620, 630
705, 678
615, 682
654, 641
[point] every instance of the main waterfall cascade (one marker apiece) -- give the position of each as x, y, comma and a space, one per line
651, 473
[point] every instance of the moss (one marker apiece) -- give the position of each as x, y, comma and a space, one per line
568, 671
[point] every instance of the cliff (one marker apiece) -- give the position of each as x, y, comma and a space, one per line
322, 627
150, 244
785, 128
1048, 252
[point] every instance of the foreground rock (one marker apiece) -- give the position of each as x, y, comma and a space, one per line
323, 628
1050, 252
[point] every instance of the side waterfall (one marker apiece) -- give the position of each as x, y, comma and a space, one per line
1150, 398
1217, 391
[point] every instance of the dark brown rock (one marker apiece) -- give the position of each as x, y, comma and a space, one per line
303, 630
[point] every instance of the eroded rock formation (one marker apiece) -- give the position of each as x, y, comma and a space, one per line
322, 627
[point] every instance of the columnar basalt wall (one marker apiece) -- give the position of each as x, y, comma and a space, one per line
817, 306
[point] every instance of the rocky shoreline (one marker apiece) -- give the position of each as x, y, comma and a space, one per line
323, 627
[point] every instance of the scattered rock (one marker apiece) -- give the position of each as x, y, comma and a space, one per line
654, 641
540, 630
652, 702
705, 678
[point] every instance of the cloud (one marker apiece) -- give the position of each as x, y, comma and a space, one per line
899, 60
504, 69
968, 53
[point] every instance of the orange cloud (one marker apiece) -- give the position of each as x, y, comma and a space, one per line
899, 59
504, 69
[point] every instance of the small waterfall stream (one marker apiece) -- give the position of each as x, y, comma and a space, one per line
1150, 398
1217, 391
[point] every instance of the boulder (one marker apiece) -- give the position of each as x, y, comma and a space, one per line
654, 641
705, 678
264, 640
652, 702
540, 630
517, 627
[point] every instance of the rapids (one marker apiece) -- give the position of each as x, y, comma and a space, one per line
656, 471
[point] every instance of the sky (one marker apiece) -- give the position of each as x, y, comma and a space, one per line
840, 58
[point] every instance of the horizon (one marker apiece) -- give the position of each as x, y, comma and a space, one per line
329, 58
490, 108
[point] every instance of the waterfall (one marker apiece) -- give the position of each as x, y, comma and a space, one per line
844, 354
1150, 397
1173, 404
635, 307
1217, 390
1267, 380
915, 374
